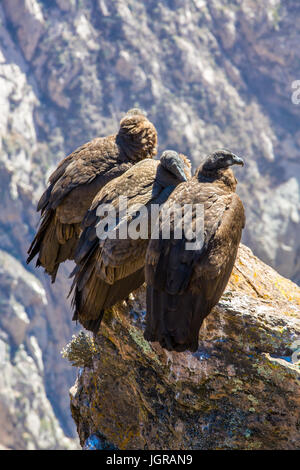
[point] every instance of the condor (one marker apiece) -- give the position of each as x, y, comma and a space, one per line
184, 285
76, 181
109, 269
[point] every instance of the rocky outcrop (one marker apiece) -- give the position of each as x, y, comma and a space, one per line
240, 390
28, 18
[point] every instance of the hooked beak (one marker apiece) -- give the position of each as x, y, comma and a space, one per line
177, 170
237, 160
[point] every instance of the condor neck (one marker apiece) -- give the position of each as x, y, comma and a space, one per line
222, 178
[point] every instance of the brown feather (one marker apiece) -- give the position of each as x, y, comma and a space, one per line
108, 270
183, 286
76, 181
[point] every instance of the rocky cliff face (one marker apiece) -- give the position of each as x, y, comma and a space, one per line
209, 74
240, 390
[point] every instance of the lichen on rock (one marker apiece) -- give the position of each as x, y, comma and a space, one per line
240, 390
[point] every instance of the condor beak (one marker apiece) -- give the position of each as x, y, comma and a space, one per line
178, 171
237, 160
171, 161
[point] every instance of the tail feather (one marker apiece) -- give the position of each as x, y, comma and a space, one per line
38, 239
93, 325
54, 243
174, 320
93, 296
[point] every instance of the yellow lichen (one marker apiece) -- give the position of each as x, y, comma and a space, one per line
138, 338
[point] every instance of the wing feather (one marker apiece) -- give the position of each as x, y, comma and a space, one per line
184, 285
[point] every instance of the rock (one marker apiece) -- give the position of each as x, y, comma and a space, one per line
27, 17
20, 291
66, 5
30, 422
240, 390
281, 217
97, 442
